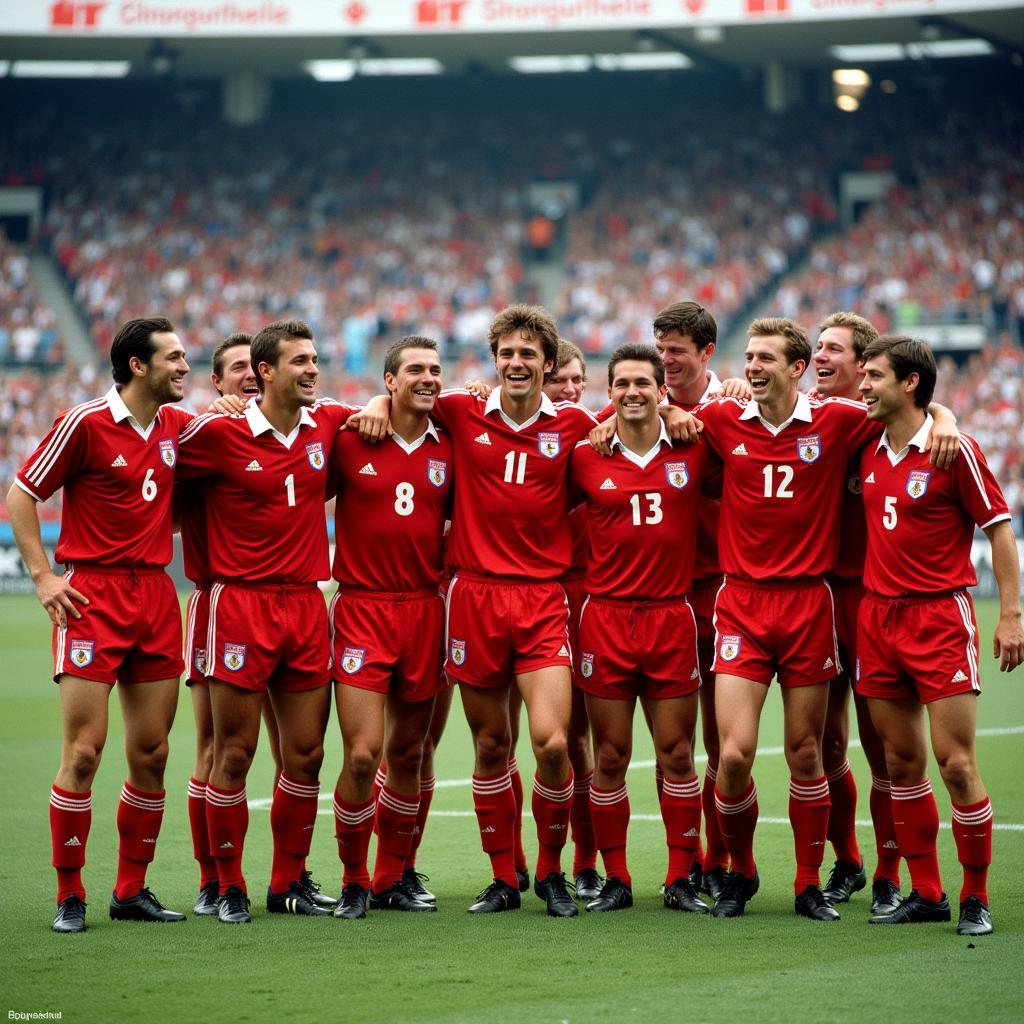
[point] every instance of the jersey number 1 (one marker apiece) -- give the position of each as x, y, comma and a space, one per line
516, 467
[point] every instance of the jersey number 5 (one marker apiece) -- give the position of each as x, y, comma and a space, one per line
889, 516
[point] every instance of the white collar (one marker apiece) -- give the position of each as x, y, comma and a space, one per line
259, 424
643, 461
801, 411
121, 412
547, 408
410, 446
713, 388
918, 441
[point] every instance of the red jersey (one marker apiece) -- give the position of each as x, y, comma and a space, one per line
639, 508
511, 505
264, 492
853, 531
783, 486
117, 478
190, 507
393, 500
921, 519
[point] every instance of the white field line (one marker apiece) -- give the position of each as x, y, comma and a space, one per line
263, 803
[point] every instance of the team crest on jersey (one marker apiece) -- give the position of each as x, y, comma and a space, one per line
809, 448
81, 652
677, 474
352, 659
199, 660
315, 454
549, 444
234, 656
918, 483
457, 651
168, 452
437, 471
853, 484
586, 665
729, 648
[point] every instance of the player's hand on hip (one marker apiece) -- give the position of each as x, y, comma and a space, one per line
600, 437
681, 426
58, 597
229, 405
1008, 643
478, 389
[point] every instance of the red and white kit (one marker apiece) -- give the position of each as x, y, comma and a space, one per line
917, 632
115, 537
387, 618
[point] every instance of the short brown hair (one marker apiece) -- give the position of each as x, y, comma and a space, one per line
908, 355
862, 330
393, 357
797, 346
266, 346
134, 340
691, 320
238, 338
640, 353
535, 321
567, 352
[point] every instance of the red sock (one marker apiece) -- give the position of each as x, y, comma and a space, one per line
426, 797
887, 846
396, 825
378, 784
680, 811
227, 820
517, 793
972, 830
609, 811
584, 846
353, 826
200, 833
292, 817
495, 806
551, 809
808, 816
659, 780
715, 853
916, 818
842, 818
737, 819
70, 818
139, 816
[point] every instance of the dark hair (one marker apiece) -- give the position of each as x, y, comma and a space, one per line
906, 356
134, 339
238, 338
862, 331
797, 346
642, 354
691, 320
265, 347
535, 321
393, 357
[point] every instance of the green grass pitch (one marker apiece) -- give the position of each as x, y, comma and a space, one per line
641, 965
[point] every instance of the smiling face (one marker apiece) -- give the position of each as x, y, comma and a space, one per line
685, 363
885, 396
293, 377
238, 376
634, 391
567, 384
769, 373
417, 383
519, 360
836, 366
166, 369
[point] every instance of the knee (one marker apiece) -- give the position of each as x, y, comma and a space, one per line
551, 751
612, 760
82, 759
204, 759
958, 770
579, 752
361, 761
492, 750
677, 760
904, 766
804, 757
233, 760
405, 759
734, 759
150, 757
833, 748
711, 747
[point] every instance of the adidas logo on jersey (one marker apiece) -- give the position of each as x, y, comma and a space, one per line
254, 467
608, 485
829, 663
73, 841
368, 470
119, 461
870, 479
959, 677
482, 439
740, 449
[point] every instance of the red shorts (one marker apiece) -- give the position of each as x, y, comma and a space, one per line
637, 649
847, 594
263, 636
497, 629
917, 647
388, 643
197, 621
575, 594
129, 632
783, 629
702, 601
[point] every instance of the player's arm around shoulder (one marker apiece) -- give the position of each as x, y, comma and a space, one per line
202, 440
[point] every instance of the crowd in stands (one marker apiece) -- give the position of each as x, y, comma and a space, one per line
29, 334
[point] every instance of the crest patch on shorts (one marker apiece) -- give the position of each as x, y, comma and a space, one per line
549, 444
457, 651
729, 647
315, 454
586, 665
234, 656
352, 659
809, 448
168, 452
199, 660
81, 652
437, 471
917, 484
677, 474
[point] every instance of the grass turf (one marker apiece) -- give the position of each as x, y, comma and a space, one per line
644, 965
